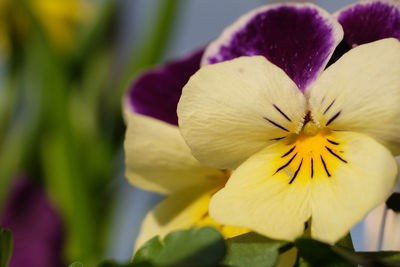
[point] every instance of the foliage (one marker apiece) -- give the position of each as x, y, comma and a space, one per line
393, 202
206, 247
180, 248
60, 116
252, 250
6, 245
315, 253
193, 247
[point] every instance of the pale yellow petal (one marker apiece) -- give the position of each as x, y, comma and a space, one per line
361, 93
231, 110
177, 211
157, 158
363, 174
334, 177
182, 210
225, 230
259, 195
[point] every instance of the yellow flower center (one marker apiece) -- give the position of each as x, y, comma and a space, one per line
313, 152
310, 129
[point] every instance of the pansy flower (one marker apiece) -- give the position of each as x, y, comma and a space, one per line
308, 144
157, 158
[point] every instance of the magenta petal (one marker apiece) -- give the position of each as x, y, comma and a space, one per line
369, 21
35, 226
156, 92
299, 38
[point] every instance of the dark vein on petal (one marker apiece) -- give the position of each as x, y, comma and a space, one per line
278, 138
336, 155
287, 153
330, 105
312, 168
326, 169
333, 118
277, 125
283, 114
297, 171
284, 166
332, 142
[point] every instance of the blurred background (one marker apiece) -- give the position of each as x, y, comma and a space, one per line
64, 68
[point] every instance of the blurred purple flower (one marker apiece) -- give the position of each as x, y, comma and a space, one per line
36, 227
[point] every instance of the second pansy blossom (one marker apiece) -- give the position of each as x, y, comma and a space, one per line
157, 158
306, 144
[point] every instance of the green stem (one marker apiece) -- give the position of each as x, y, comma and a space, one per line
62, 163
150, 51
346, 242
8, 100
17, 143
153, 47
95, 33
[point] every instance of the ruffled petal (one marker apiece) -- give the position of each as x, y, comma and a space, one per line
298, 38
157, 158
361, 93
260, 196
230, 110
369, 21
354, 188
156, 92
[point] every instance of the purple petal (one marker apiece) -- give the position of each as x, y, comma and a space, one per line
369, 21
156, 92
36, 228
299, 38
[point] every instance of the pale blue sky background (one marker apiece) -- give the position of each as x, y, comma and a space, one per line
201, 21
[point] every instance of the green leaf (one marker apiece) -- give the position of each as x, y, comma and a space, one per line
153, 44
6, 246
387, 256
150, 250
393, 202
252, 250
76, 264
111, 263
346, 242
380, 258
301, 262
315, 253
194, 247
96, 32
